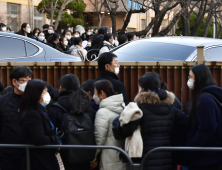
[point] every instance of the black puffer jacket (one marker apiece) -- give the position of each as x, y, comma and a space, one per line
156, 126
97, 39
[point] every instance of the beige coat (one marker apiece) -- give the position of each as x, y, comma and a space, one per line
109, 109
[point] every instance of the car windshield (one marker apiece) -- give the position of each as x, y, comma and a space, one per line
152, 51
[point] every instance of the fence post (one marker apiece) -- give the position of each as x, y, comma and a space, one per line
200, 54
28, 158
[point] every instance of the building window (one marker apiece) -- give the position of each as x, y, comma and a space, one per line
136, 5
38, 19
13, 16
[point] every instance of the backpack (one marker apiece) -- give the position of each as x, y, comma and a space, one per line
78, 130
93, 52
219, 117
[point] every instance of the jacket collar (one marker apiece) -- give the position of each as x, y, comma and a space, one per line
110, 74
153, 98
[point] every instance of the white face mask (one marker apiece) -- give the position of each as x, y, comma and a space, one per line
66, 43
116, 70
117, 43
190, 84
113, 42
68, 37
46, 99
89, 33
76, 35
50, 31
96, 99
4, 29
89, 44
22, 86
36, 34
28, 30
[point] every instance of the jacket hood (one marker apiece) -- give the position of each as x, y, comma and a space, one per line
106, 43
114, 103
153, 98
215, 91
64, 99
97, 39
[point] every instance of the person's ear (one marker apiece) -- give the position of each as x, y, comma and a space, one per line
14, 82
107, 67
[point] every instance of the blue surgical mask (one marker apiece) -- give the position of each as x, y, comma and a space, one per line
41, 38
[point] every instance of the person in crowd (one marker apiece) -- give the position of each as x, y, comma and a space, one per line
25, 31
54, 41
88, 87
41, 37
123, 39
9, 30
37, 128
68, 35
110, 106
92, 31
50, 31
109, 69
98, 39
95, 30
115, 41
85, 36
131, 36
3, 27
75, 101
10, 130
107, 43
63, 45
45, 27
156, 122
36, 32
77, 49
206, 129
76, 34
89, 43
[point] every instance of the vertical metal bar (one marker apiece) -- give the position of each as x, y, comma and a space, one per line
4, 76
28, 158
170, 78
70, 70
163, 74
148, 69
134, 82
50, 75
127, 82
177, 82
9, 69
200, 54
36, 72
120, 75
56, 76
155, 69
43, 73
77, 72
64, 70
97, 72
216, 74
91, 72
84, 74
141, 71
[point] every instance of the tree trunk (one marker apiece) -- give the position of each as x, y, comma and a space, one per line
219, 33
100, 17
113, 18
157, 25
186, 23
126, 22
52, 12
207, 24
60, 14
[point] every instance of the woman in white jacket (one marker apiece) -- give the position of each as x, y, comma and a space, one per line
107, 43
110, 106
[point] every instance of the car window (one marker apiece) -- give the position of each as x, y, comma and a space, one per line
213, 54
152, 51
31, 49
11, 48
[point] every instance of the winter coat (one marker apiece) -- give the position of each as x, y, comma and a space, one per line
204, 132
63, 49
77, 52
97, 39
10, 129
156, 126
106, 47
109, 109
85, 37
37, 130
30, 35
54, 45
117, 85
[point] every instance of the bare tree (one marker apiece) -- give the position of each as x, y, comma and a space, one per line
98, 6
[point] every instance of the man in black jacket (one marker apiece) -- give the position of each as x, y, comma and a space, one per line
109, 69
10, 130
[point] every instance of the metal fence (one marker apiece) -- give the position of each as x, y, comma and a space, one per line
131, 165
175, 74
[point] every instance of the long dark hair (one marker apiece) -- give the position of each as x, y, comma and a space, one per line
203, 78
152, 82
31, 96
106, 86
78, 99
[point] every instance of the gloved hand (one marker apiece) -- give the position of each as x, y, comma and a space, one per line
57, 137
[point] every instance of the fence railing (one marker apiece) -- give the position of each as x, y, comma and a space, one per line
131, 165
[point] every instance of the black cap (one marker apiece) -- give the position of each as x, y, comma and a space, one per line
45, 26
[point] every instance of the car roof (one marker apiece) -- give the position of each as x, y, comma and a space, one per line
184, 40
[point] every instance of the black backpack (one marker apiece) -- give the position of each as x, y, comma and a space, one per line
93, 52
78, 130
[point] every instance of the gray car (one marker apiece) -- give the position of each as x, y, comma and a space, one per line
179, 48
17, 48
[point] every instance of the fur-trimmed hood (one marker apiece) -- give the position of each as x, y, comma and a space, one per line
153, 98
